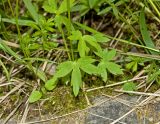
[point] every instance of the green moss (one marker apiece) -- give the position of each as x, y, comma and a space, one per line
63, 101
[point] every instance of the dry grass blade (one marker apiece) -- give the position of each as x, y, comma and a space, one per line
142, 103
138, 93
115, 84
104, 117
12, 91
12, 113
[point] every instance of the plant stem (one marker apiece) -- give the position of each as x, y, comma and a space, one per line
155, 8
65, 43
69, 32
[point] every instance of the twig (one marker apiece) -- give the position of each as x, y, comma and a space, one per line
5, 84
138, 93
104, 117
25, 113
12, 91
117, 120
115, 84
12, 113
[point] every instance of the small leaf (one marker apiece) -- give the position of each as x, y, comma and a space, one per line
154, 76
76, 35
134, 69
82, 48
102, 71
86, 65
63, 6
129, 86
101, 38
145, 34
40, 74
51, 84
64, 68
86, 60
31, 9
108, 55
89, 68
76, 80
130, 65
105, 11
50, 6
113, 68
35, 96
93, 3
92, 41
34, 46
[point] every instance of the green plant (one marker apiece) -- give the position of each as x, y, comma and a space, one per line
135, 61
129, 86
73, 68
87, 53
106, 65
153, 73
85, 44
84, 6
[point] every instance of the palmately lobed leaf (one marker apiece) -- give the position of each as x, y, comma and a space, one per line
113, 68
109, 55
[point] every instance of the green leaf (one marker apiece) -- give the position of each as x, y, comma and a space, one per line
40, 74
129, 86
5, 70
34, 46
106, 55
92, 41
51, 84
134, 69
145, 34
63, 6
59, 20
21, 22
50, 6
32, 10
102, 71
64, 68
93, 3
76, 80
86, 60
7, 49
130, 65
113, 68
105, 11
153, 76
35, 96
115, 11
101, 38
82, 48
76, 35
89, 68
86, 65
109, 55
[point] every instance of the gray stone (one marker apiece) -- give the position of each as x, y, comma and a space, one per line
113, 109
